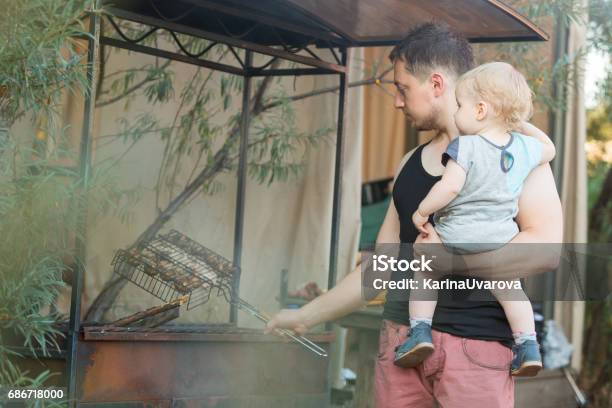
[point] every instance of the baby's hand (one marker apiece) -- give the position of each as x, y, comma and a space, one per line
420, 221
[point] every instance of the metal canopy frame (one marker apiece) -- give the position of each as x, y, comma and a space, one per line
287, 52
300, 39
243, 52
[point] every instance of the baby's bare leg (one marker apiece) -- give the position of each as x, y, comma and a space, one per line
422, 301
518, 310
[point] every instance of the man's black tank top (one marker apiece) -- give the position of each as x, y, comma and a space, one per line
484, 320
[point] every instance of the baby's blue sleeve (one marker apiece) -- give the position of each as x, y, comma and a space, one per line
458, 152
534, 151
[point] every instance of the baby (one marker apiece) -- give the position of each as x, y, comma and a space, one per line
475, 202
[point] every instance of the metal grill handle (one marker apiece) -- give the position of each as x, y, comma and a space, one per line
315, 348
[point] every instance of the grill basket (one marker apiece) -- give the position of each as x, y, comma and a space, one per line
173, 265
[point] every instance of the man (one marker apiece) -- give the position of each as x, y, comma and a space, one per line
470, 365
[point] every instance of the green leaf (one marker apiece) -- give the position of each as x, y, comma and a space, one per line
226, 101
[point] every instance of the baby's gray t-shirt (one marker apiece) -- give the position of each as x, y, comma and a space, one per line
481, 217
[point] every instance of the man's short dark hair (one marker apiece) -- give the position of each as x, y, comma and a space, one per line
433, 45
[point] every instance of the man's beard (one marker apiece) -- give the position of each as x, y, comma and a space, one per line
430, 122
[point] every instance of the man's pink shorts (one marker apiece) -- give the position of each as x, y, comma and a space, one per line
460, 373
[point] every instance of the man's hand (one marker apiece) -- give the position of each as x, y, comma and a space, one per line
428, 236
430, 245
288, 319
419, 221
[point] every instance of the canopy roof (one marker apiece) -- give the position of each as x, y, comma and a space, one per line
297, 23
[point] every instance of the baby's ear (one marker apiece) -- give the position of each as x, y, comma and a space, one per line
481, 110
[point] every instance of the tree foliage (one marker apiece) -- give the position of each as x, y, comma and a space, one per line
41, 56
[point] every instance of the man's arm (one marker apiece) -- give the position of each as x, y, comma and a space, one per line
540, 216
346, 296
540, 221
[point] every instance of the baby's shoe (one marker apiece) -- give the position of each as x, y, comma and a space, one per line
527, 361
417, 347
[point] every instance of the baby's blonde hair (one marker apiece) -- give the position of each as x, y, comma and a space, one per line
504, 88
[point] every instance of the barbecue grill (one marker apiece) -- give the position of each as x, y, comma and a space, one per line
189, 366
142, 360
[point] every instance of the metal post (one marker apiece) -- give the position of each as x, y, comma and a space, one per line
242, 174
556, 124
337, 348
333, 253
84, 172
556, 118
